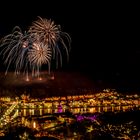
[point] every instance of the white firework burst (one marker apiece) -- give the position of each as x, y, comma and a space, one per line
14, 47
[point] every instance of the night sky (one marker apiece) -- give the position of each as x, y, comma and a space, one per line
105, 38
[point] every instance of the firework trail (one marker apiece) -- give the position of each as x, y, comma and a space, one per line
15, 48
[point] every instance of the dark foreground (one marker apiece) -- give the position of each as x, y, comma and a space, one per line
108, 126
55, 84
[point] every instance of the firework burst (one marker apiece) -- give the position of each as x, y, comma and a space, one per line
46, 31
28, 51
38, 55
49, 33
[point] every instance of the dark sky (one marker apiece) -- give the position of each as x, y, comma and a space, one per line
105, 37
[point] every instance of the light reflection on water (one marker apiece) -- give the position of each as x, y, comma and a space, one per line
76, 110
